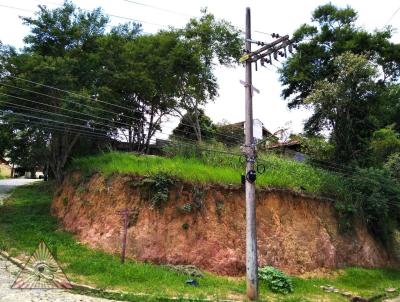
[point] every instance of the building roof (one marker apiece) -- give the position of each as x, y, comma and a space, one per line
291, 143
266, 132
3, 161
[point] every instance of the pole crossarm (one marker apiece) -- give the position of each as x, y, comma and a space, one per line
269, 49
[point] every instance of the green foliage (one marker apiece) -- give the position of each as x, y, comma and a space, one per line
276, 280
384, 142
187, 207
219, 207
346, 211
219, 168
26, 219
393, 166
145, 77
334, 69
377, 197
228, 134
316, 147
185, 129
345, 105
160, 185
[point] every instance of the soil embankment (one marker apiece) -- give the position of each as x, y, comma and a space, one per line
205, 226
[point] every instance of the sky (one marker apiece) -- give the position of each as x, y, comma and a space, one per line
267, 17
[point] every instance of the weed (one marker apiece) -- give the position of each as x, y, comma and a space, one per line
219, 206
161, 183
185, 226
65, 201
198, 196
276, 280
187, 207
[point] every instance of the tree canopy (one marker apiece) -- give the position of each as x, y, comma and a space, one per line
74, 78
347, 76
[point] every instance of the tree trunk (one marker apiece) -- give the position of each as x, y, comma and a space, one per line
60, 150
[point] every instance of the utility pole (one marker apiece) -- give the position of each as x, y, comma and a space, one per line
125, 216
264, 54
251, 236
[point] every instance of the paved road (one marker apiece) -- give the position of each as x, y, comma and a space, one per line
8, 274
7, 185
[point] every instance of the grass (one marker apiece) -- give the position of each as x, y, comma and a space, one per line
282, 173
25, 220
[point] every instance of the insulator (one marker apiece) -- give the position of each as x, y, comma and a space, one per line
262, 61
276, 56
290, 48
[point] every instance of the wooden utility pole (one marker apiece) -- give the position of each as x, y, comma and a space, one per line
264, 54
125, 215
251, 236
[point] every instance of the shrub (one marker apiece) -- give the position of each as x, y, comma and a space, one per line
377, 196
393, 166
161, 182
276, 280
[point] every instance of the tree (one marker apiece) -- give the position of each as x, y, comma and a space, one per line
60, 53
29, 148
393, 166
315, 146
344, 105
5, 138
185, 130
316, 66
377, 196
229, 134
384, 142
209, 40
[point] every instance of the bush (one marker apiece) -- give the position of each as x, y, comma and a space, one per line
276, 280
377, 196
393, 166
161, 182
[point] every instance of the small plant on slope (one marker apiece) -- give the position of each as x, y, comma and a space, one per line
160, 189
276, 280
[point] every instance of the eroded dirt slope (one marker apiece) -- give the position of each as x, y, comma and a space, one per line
205, 226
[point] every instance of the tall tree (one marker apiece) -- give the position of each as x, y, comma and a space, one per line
59, 53
184, 130
333, 33
211, 41
345, 105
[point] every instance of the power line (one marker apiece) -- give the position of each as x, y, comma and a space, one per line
160, 8
107, 103
57, 128
54, 121
111, 15
394, 14
16, 8
30, 109
49, 112
68, 100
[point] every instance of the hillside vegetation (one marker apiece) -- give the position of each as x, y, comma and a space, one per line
218, 169
25, 219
